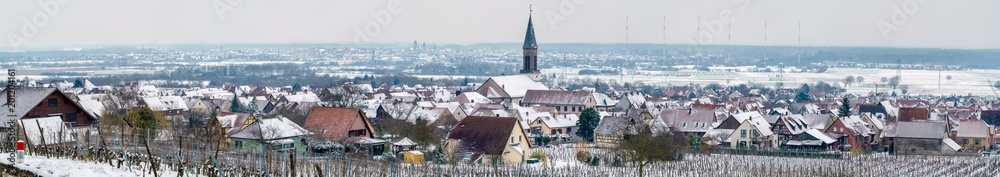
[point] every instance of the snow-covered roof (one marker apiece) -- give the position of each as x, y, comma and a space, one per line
820, 135
271, 129
405, 142
951, 144
761, 125
94, 107
174, 103
302, 97
517, 85
559, 120
604, 100
154, 103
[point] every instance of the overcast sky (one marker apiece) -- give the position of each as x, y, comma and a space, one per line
916, 23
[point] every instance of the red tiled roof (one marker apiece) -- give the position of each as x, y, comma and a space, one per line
910, 114
333, 123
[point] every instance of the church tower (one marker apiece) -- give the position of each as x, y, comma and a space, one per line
530, 61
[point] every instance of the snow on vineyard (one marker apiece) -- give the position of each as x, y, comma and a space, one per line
750, 165
62, 167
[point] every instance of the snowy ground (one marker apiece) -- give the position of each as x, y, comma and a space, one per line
66, 167
975, 82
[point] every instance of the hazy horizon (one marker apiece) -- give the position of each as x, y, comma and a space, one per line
851, 23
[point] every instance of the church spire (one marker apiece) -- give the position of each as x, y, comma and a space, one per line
529, 35
530, 61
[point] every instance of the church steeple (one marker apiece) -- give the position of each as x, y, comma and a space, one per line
529, 36
530, 61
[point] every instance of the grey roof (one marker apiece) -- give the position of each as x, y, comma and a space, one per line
529, 36
26, 98
555, 97
927, 130
689, 120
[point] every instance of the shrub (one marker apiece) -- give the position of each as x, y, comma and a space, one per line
540, 155
582, 156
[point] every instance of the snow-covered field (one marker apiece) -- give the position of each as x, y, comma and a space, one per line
975, 82
61, 167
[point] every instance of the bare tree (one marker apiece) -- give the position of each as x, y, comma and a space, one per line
345, 95
650, 144
848, 80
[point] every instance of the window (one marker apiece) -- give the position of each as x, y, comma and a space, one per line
569, 129
53, 102
552, 132
685, 124
303, 141
354, 133
965, 141
511, 139
976, 141
743, 133
239, 144
71, 117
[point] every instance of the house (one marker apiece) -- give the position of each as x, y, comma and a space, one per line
37, 102
228, 123
975, 135
630, 100
603, 102
811, 139
488, 140
919, 138
788, 127
279, 134
196, 105
559, 125
735, 120
435, 116
692, 121
610, 132
563, 101
753, 133
167, 105
850, 132
339, 124
509, 88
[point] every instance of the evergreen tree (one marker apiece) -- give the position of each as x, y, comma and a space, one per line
252, 107
296, 87
78, 83
589, 119
845, 107
235, 105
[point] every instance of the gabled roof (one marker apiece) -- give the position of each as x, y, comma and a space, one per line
335, 121
688, 120
925, 130
271, 129
973, 129
484, 134
516, 85
555, 97
27, 98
